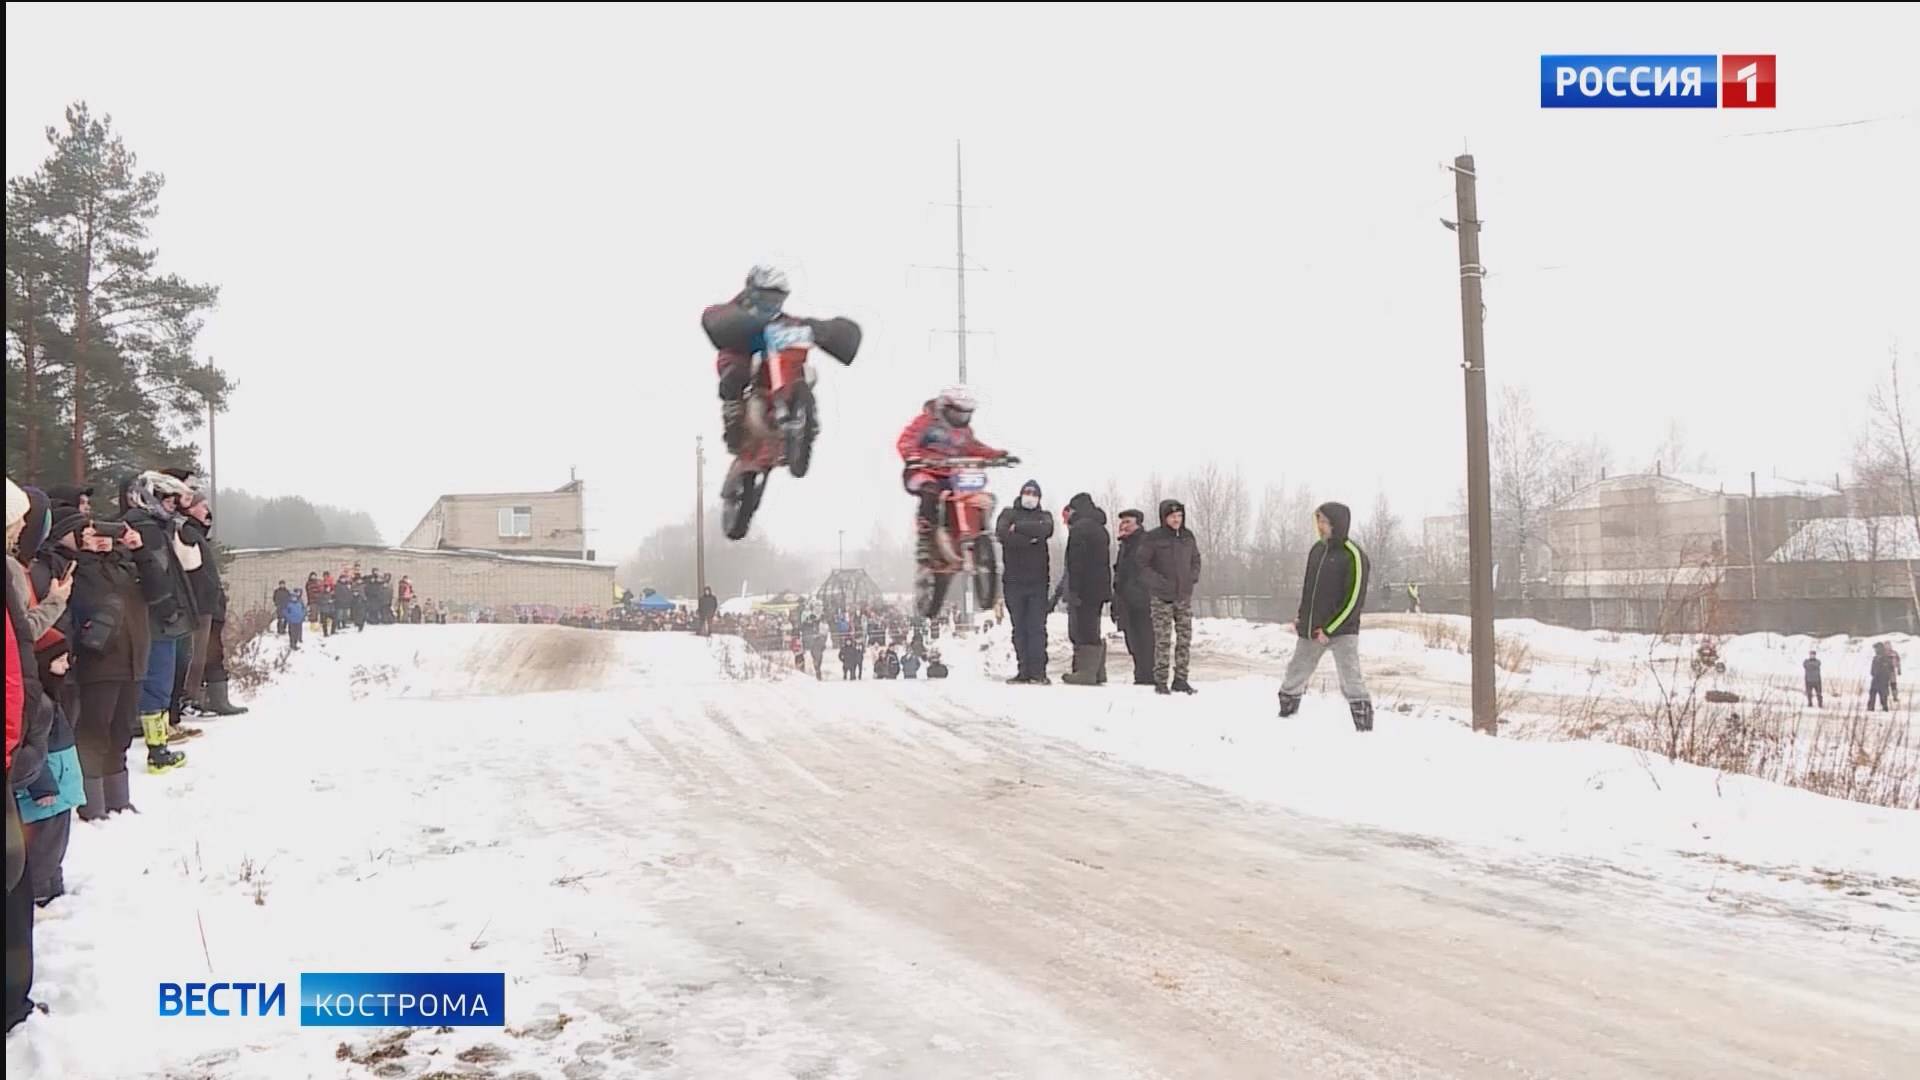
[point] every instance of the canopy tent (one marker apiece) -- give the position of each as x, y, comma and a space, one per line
653, 601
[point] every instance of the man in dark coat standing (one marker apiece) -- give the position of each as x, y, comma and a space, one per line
709, 607
1131, 610
1025, 574
1170, 563
1090, 581
1331, 599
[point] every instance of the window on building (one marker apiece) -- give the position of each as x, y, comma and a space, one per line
516, 521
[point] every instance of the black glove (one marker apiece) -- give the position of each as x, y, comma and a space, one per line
1009, 459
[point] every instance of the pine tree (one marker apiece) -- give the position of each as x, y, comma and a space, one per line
126, 333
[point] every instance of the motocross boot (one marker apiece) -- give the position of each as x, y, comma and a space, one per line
733, 425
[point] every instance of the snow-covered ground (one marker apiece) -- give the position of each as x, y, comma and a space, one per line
687, 873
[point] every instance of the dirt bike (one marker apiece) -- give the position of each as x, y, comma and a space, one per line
782, 416
962, 541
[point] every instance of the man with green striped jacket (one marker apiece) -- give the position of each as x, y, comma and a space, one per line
1331, 599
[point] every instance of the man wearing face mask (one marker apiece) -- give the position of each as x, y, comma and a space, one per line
1026, 572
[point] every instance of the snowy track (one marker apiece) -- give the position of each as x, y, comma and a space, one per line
688, 876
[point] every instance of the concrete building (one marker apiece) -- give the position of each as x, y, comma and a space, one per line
464, 580
523, 549
551, 524
1626, 535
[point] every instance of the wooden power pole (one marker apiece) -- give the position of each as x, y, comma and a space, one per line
1479, 470
699, 516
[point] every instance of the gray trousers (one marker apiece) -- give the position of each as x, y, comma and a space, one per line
1346, 659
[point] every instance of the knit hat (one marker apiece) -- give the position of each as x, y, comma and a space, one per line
17, 504
1032, 486
68, 494
38, 520
67, 522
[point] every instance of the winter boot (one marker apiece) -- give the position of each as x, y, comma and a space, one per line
1022, 679
1182, 686
218, 701
1362, 715
119, 796
1289, 704
1162, 688
95, 807
1100, 665
159, 759
1086, 667
733, 425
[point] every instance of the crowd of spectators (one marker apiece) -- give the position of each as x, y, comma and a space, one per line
115, 632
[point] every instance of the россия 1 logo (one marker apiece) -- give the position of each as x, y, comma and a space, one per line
1630, 81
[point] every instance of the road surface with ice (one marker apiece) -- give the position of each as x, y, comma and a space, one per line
687, 873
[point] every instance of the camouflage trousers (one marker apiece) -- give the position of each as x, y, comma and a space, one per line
1172, 639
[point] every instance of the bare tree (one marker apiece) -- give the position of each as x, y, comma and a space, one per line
1217, 509
1675, 454
1385, 540
1112, 501
1523, 457
1894, 440
1576, 465
1282, 532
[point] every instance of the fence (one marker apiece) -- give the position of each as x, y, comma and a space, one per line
1818, 616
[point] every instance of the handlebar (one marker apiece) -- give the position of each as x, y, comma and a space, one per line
965, 463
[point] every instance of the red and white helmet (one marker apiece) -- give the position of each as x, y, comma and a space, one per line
956, 405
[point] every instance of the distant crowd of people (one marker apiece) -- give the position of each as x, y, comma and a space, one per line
352, 599
1883, 679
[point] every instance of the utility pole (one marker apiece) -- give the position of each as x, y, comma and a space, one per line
700, 515
1479, 483
960, 253
213, 458
1753, 555
842, 564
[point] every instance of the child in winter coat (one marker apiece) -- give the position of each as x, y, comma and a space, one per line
296, 615
47, 787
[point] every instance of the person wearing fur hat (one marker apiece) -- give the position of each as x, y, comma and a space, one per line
1024, 529
1331, 599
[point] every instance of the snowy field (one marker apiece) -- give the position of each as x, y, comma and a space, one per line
688, 873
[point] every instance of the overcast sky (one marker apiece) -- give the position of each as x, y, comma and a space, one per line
465, 248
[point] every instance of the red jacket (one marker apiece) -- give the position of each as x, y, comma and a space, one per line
929, 438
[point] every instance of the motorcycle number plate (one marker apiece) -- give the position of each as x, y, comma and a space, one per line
970, 481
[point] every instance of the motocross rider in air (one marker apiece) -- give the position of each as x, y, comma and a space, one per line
753, 322
943, 430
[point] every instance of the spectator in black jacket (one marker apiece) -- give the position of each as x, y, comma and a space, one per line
1331, 599
280, 595
1131, 612
1816, 697
196, 529
152, 504
111, 642
1090, 581
1170, 565
709, 607
1025, 573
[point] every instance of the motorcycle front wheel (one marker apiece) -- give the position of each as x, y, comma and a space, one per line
986, 573
930, 591
803, 424
739, 498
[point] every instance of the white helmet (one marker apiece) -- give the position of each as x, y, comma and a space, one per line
148, 489
764, 278
955, 405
